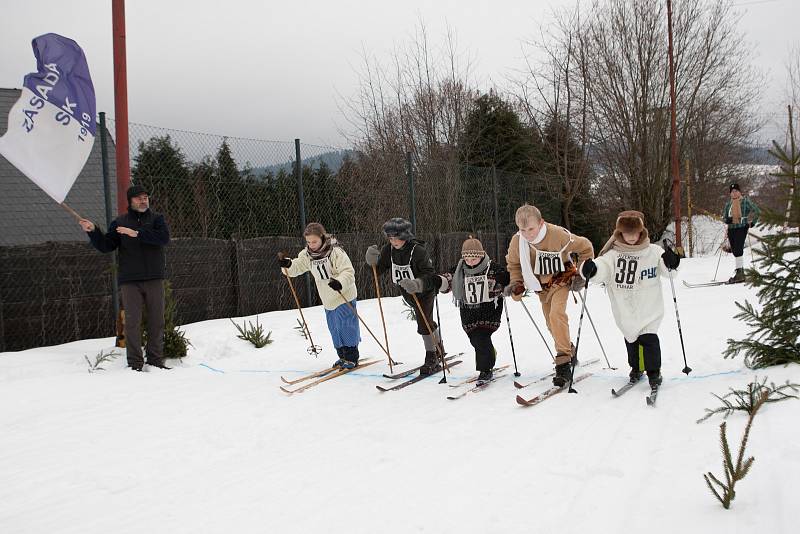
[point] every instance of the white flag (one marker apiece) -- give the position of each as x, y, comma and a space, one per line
51, 128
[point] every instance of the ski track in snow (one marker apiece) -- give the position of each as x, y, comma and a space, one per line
214, 446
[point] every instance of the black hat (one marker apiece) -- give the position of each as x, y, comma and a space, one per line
735, 186
135, 191
399, 228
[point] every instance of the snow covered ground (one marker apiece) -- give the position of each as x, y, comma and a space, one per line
215, 446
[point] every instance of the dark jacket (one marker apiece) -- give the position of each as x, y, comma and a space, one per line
486, 315
140, 258
420, 261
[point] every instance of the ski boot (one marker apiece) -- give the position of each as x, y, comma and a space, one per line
737, 278
484, 377
349, 357
340, 362
431, 364
563, 372
635, 375
654, 377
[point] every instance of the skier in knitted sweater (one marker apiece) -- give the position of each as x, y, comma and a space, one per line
336, 282
631, 268
477, 284
740, 214
412, 269
540, 259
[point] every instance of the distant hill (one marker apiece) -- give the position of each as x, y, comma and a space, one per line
333, 160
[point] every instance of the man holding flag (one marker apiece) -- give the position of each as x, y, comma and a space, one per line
51, 130
140, 236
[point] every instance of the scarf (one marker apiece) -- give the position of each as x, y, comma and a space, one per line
736, 210
324, 251
617, 242
531, 282
462, 270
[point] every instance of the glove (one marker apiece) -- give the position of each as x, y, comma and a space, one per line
671, 260
334, 284
411, 286
515, 291
503, 278
372, 255
588, 269
577, 283
285, 262
728, 220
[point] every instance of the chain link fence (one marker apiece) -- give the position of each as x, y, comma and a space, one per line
232, 204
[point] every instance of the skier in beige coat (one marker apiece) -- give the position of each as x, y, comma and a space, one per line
540, 259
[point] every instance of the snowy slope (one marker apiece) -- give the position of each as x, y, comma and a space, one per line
215, 446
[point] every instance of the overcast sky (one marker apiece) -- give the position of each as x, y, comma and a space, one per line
274, 69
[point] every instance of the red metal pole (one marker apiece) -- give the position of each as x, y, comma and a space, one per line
673, 136
121, 104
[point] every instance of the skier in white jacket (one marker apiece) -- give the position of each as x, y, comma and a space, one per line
631, 268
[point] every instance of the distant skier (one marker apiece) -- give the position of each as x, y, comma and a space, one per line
740, 214
335, 277
631, 268
412, 269
477, 284
540, 259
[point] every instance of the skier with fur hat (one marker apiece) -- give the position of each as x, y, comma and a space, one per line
540, 258
477, 284
740, 214
412, 270
631, 267
335, 278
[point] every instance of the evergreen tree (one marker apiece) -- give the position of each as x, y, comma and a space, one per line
161, 168
775, 332
495, 141
569, 174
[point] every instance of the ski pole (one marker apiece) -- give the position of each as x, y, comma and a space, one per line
380, 307
578, 340
718, 260
438, 318
312, 349
589, 315
430, 333
537, 329
353, 309
511, 338
686, 368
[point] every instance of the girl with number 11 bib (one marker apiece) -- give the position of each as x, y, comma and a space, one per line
336, 281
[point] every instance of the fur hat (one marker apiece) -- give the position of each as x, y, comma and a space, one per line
735, 186
135, 191
472, 248
399, 228
630, 221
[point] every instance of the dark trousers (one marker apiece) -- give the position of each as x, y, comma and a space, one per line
736, 237
485, 355
137, 296
645, 353
426, 300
